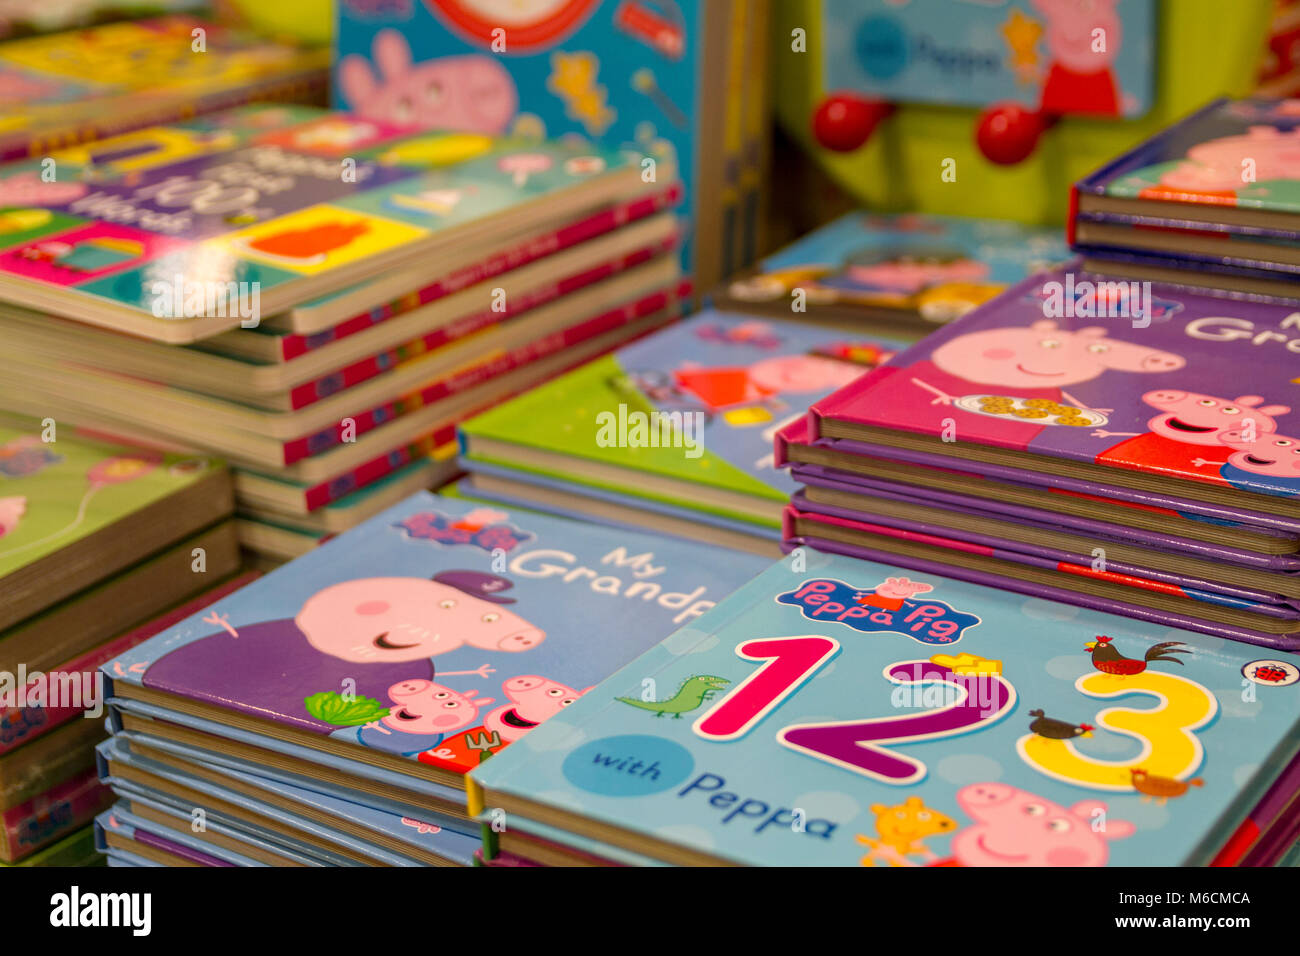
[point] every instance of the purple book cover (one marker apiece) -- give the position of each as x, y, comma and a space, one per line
1125, 375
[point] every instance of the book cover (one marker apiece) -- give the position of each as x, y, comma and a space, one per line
938, 267
1127, 376
851, 713
698, 403
254, 210
437, 632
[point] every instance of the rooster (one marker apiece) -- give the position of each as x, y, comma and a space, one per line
1110, 661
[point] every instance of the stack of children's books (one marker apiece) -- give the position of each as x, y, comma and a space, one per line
675, 432
80, 85
319, 298
95, 539
326, 713
835, 711
1213, 202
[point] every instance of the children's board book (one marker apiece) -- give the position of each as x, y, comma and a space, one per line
1122, 383
686, 416
867, 267
74, 511
1232, 168
851, 713
182, 231
641, 73
1057, 56
428, 637
83, 84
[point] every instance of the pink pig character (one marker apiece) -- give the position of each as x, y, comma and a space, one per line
532, 700
11, 512
1218, 165
1268, 462
405, 619
470, 93
720, 387
894, 592
423, 713
1189, 432
1035, 361
1080, 79
1016, 828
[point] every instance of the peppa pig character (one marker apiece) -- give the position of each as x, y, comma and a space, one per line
1188, 433
471, 93
1270, 463
423, 713
1082, 39
371, 632
1016, 828
893, 593
532, 700
1035, 361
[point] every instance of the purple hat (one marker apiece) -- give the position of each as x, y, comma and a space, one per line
477, 584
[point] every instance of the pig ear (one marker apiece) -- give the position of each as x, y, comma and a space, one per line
356, 81
483, 701
1275, 409
392, 53
1251, 400
1043, 325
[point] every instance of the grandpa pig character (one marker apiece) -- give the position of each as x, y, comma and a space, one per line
372, 633
1035, 361
1014, 827
423, 713
1188, 433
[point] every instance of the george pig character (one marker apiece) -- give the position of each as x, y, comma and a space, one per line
894, 592
1035, 361
1080, 78
1269, 464
371, 632
423, 713
1215, 167
470, 93
1014, 827
1188, 432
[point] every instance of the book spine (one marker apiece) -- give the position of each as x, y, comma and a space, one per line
28, 827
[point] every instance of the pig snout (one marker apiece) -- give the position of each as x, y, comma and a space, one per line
526, 683
985, 794
1162, 362
521, 640
409, 688
1161, 399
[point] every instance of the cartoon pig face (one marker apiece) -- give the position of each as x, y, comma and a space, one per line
1217, 164
468, 93
1069, 35
902, 588
1044, 356
374, 620
1016, 828
532, 700
802, 373
1269, 454
424, 707
1203, 419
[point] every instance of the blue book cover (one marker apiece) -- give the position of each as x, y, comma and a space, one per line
616, 72
937, 267
840, 712
428, 637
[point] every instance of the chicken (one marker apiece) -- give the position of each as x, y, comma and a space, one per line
1161, 788
1110, 661
1053, 729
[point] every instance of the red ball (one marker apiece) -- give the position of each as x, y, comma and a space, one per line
1008, 132
843, 121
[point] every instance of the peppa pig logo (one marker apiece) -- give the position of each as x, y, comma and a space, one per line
481, 528
888, 607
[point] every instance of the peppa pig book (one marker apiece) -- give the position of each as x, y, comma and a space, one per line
1124, 385
419, 643
683, 420
1220, 188
838, 712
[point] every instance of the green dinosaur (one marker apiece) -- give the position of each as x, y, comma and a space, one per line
693, 692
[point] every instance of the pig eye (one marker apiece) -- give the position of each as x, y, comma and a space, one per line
1059, 826
554, 692
490, 617
567, 701
1050, 343
1207, 402
443, 695
1283, 443
447, 605
1035, 809
451, 705
1230, 410
1098, 347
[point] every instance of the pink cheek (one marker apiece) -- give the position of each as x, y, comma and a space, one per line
998, 355
370, 608
1068, 856
446, 721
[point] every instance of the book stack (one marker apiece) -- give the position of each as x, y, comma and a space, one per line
1211, 202
319, 298
326, 713
842, 712
95, 539
83, 84
1141, 465
674, 432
